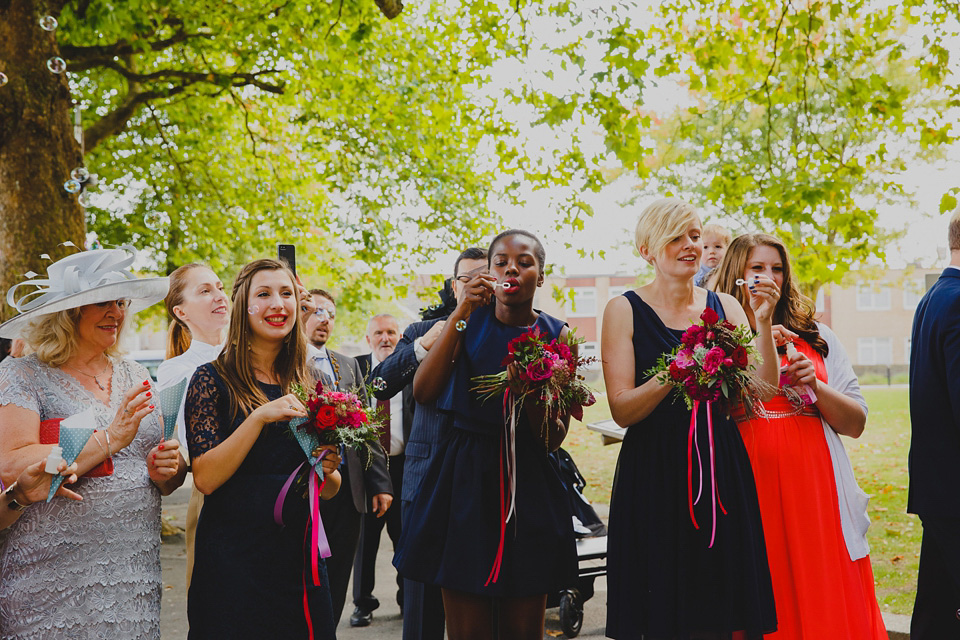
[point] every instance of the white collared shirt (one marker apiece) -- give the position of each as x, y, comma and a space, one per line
182, 367
319, 358
396, 415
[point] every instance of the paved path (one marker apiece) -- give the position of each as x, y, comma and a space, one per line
386, 621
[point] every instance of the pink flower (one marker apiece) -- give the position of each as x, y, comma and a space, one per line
684, 359
539, 370
713, 360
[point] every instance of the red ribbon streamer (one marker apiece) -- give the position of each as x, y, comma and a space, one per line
714, 490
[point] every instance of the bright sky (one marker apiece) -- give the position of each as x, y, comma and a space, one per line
611, 227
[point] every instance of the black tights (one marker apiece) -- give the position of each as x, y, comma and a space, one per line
470, 617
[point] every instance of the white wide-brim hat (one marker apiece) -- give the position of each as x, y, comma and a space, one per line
86, 277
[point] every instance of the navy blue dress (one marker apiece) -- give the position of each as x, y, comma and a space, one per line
454, 543
248, 574
663, 580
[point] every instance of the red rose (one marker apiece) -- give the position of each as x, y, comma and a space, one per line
326, 417
709, 316
739, 357
677, 372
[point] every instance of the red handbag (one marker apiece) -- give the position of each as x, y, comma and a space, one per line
50, 434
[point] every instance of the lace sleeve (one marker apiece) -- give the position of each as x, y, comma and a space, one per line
202, 412
18, 383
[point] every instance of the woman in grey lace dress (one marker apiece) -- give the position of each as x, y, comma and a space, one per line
87, 569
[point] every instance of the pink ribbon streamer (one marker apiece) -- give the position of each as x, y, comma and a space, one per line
508, 485
715, 491
318, 535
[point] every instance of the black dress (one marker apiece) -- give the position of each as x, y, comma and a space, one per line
664, 581
250, 576
454, 544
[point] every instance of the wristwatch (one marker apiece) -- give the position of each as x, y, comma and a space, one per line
13, 504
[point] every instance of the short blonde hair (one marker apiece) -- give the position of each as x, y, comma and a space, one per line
662, 221
53, 337
720, 232
953, 231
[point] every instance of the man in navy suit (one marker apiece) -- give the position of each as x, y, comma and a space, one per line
423, 617
935, 450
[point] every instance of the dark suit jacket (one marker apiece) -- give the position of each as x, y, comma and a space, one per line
363, 483
428, 423
407, 401
935, 401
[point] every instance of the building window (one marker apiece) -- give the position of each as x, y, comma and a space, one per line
907, 344
615, 291
912, 292
875, 351
871, 298
584, 302
591, 350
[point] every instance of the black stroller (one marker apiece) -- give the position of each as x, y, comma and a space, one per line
591, 549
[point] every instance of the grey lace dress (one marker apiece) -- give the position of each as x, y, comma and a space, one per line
87, 569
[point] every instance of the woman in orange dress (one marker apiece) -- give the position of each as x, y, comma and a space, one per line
813, 512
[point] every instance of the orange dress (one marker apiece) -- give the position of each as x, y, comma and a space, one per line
820, 594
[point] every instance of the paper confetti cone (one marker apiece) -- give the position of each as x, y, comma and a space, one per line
170, 399
308, 441
75, 431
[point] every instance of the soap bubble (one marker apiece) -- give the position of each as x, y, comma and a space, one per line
3, 79
72, 186
80, 174
56, 64
254, 309
263, 187
48, 23
283, 200
153, 220
84, 199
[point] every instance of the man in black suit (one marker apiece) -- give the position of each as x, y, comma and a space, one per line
383, 333
361, 490
423, 617
935, 450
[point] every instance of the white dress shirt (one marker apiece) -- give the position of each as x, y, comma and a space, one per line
396, 415
182, 367
319, 359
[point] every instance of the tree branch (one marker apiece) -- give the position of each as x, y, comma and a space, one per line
83, 58
116, 121
221, 79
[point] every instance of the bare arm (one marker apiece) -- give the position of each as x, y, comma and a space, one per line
763, 303
629, 403
20, 445
434, 372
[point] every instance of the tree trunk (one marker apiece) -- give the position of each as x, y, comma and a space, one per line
37, 149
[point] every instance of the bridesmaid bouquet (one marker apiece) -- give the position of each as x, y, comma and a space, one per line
711, 363
339, 418
548, 375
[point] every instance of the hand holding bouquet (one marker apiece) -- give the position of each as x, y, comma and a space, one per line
711, 363
545, 374
338, 418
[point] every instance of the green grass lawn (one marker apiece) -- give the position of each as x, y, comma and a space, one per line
879, 459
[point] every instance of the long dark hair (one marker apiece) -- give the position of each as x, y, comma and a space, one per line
234, 364
794, 310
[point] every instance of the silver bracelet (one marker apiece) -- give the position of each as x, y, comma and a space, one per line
106, 432
100, 444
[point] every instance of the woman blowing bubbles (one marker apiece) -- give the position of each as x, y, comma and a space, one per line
665, 579
455, 543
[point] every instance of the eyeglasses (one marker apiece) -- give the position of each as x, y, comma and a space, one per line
324, 315
122, 304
